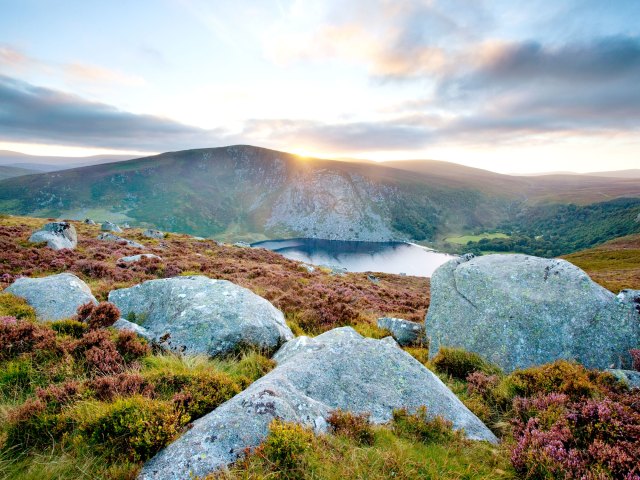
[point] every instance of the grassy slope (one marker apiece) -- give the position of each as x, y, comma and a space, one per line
615, 265
282, 281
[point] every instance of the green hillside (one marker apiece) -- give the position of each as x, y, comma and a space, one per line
250, 193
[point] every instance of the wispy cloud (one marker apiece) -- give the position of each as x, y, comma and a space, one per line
15, 61
34, 114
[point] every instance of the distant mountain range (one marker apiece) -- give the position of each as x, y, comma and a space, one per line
251, 193
28, 164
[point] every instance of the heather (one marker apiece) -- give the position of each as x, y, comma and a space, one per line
315, 302
79, 399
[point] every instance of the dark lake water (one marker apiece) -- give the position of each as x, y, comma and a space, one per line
387, 257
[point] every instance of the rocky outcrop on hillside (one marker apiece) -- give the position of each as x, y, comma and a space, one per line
58, 235
197, 314
519, 310
55, 297
110, 237
337, 370
152, 233
110, 227
333, 205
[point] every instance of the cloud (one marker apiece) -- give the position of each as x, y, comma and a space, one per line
14, 60
394, 39
91, 73
34, 114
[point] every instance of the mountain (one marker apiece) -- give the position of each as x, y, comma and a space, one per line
251, 193
629, 173
40, 163
11, 171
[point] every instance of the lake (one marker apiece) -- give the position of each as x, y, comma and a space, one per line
387, 257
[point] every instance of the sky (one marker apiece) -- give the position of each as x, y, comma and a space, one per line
506, 85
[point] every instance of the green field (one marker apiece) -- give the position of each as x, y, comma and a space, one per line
464, 239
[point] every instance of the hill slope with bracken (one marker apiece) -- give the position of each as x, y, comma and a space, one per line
244, 192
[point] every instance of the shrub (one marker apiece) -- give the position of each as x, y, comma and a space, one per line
134, 428
561, 376
459, 363
479, 383
102, 315
352, 425
122, 385
591, 439
131, 347
286, 445
99, 352
421, 426
71, 327
30, 425
24, 336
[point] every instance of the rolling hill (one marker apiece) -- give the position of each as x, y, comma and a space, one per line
251, 193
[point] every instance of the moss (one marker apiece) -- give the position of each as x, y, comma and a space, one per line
12, 306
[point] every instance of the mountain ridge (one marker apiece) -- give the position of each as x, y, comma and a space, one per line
254, 193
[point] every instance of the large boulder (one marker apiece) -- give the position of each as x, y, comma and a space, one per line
519, 310
200, 315
55, 297
110, 227
337, 370
58, 235
405, 332
629, 377
110, 237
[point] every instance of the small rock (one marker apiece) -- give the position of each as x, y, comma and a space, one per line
110, 237
151, 233
110, 227
126, 225
242, 244
88, 221
373, 279
630, 377
55, 297
137, 258
58, 235
405, 332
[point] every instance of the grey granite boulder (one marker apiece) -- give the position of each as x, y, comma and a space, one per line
89, 221
630, 377
110, 237
55, 297
151, 233
405, 332
137, 258
200, 315
337, 370
58, 235
110, 227
519, 310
